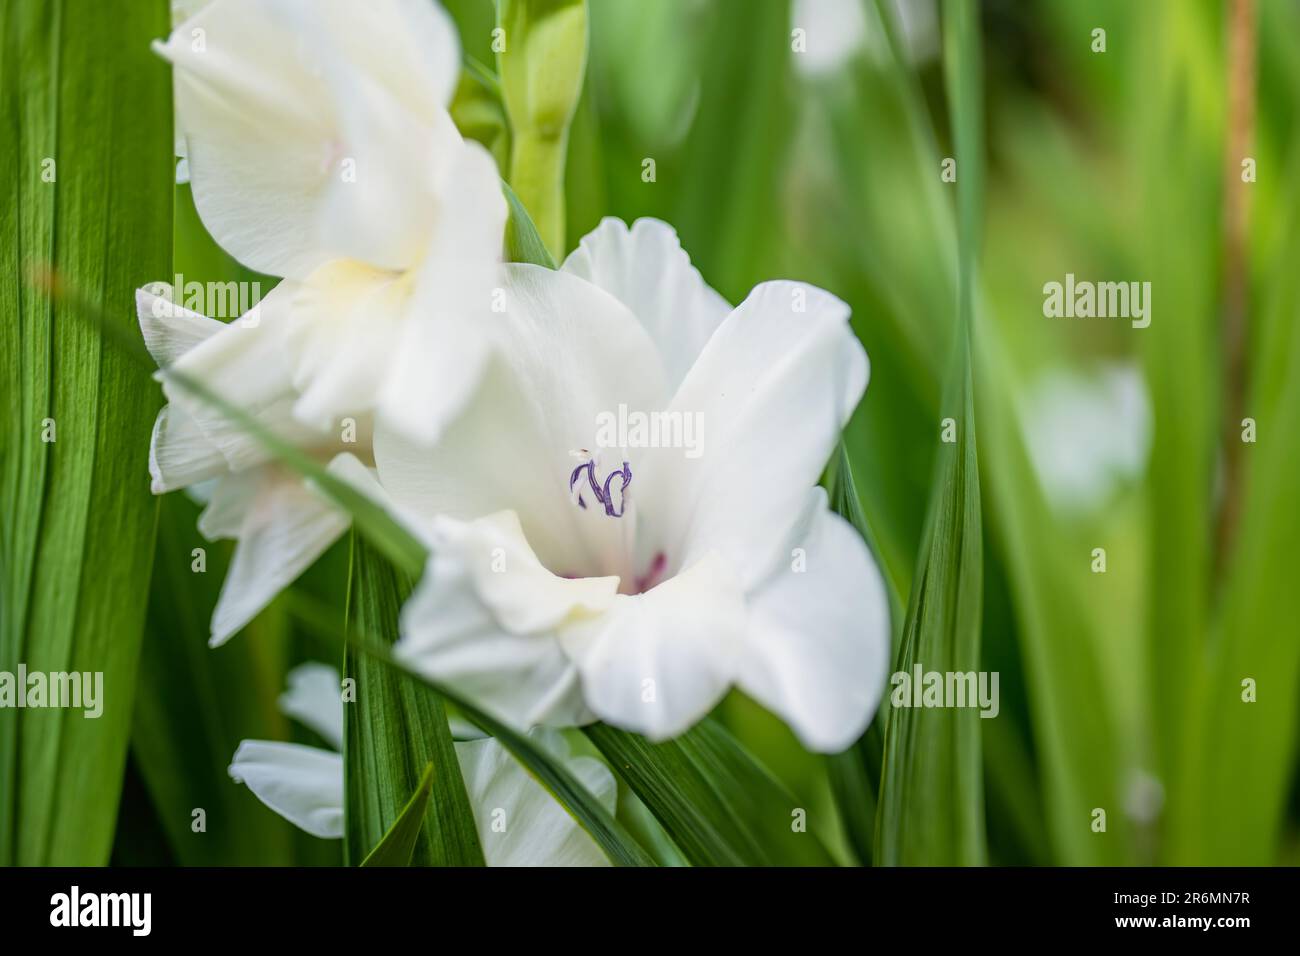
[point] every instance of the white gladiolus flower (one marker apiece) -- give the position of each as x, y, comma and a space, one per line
637, 584
305, 784
319, 148
281, 524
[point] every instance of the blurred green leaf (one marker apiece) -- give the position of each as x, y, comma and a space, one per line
479, 113
397, 848
195, 704
726, 202
89, 199
1180, 155
931, 794
1243, 766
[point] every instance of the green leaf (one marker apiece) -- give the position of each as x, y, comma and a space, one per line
89, 191
1182, 157
397, 848
541, 69
855, 781
523, 244
931, 799
195, 704
1242, 767
931, 795
842, 495
733, 162
855, 773
719, 804
392, 730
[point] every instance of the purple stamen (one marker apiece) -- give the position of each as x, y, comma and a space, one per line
590, 468
602, 494
626, 474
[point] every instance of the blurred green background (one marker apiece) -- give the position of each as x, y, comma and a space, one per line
1120, 691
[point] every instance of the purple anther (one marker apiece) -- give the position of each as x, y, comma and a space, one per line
600, 493
590, 468
626, 474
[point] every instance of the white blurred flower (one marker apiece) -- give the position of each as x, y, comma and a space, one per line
305, 784
319, 148
835, 31
281, 524
1087, 434
637, 585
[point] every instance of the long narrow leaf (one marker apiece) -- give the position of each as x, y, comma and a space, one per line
523, 244
391, 731
88, 180
855, 773
397, 848
931, 802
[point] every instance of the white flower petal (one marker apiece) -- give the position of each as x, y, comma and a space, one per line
483, 620
444, 349
519, 823
286, 526
230, 500
657, 662
180, 453
816, 649
275, 97
565, 352
245, 364
170, 330
431, 373
377, 204
410, 47
342, 335
774, 387
314, 699
302, 784
201, 493
242, 362
258, 133
646, 269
